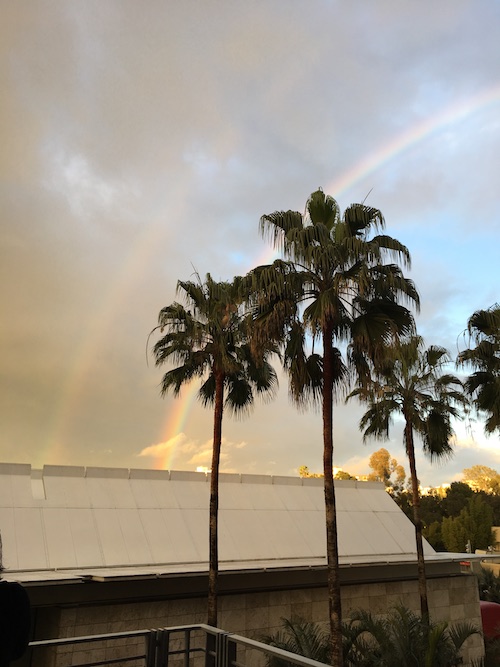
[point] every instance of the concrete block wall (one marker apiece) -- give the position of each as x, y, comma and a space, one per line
255, 614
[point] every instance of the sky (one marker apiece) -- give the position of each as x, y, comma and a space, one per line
142, 141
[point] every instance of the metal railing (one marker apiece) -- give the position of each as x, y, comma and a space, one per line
180, 646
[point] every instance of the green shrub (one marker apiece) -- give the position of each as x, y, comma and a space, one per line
400, 639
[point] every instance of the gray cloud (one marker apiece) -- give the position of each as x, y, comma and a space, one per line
142, 142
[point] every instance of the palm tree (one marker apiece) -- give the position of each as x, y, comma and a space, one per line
411, 383
210, 340
332, 286
484, 383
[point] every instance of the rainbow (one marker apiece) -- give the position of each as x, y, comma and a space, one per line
100, 325
371, 162
175, 422
452, 115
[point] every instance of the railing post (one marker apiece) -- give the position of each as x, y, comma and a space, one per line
187, 647
231, 653
220, 651
162, 648
150, 641
210, 647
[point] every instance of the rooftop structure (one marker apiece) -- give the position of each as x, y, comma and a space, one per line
66, 522
103, 550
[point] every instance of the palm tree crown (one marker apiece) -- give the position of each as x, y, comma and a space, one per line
332, 286
410, 382
210, 339
484, 383
335, 267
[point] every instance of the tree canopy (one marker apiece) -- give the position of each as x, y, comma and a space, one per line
384, 466
482, 478
483, 384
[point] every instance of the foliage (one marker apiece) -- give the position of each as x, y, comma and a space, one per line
304, 472
337, 284
384, 466
482, 478
400, 639
456, 498
493, 501
410, 381
473, 524
430, 509
432, 534
301, 637
342, 474
403, 639
210, 340
483, 385
435, 508
489, 585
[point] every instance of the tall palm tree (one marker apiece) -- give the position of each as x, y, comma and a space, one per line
333, 287
210, 340
411, 383
484, 383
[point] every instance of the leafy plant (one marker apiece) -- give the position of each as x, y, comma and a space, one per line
305, 638
403, 639
399, 639
489, 585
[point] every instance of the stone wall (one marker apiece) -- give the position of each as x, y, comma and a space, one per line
255, 614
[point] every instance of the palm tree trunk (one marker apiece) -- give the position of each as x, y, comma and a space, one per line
334, 600
422, 583
213, 567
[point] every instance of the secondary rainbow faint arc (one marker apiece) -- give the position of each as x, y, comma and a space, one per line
177, 419
98, 326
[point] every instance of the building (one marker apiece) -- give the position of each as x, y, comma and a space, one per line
104, 550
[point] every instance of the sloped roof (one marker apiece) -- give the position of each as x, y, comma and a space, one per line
63, 522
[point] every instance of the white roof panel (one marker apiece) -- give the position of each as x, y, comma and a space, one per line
29, 540
82, 519
58, 537
86, 541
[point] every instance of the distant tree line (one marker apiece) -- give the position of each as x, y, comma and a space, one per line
454, 519
460, 517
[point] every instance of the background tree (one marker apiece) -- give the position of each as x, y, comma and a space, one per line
411, 383
433, 535
482, 478
334, 286
473, 524
456, 498
384, 466
304, 472
484, 383
210, 340
340, 474
431, 509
